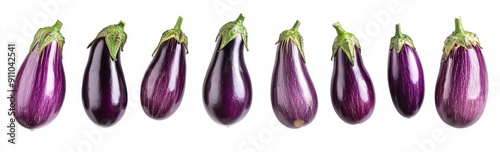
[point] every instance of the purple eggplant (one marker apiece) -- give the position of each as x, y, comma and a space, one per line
462, 83
293, 95
405, 75
352, 91
163, 84
227, 90
40, 82
104, 91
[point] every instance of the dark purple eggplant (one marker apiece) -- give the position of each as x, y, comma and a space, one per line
163, 84
352, 91
293, 95
40, 82
462, 83
405, 75
227, 89
104, 91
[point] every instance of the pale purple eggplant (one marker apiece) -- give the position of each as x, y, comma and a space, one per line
227, 89
462, 83
104, 91
352, 92
405, 75
40, 83
293, 95
163, 83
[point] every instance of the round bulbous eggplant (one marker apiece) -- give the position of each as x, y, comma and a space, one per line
462, 83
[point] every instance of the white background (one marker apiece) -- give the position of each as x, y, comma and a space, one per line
191, 129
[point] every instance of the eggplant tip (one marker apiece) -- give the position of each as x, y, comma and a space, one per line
298, 123
408, 116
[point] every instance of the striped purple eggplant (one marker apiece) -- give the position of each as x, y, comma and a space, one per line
104, 91
405, 75
352, 91
293, 95
40, 82
163, 83
462, 83
227, 89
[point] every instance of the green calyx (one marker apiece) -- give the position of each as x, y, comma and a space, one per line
115, 38
345, 40
44, 36
460, 38
175, 33
293, 35
400, 39
230, 30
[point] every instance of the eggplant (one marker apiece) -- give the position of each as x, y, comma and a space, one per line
293, 95
104, 91
462, 83
227, 88
162, 87
352, 93
40, 82
405, 75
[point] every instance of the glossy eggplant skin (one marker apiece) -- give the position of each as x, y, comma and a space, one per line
293, 95
41, 87
406, 80
227, 90
462, 87
104, 90
163, 84
352, 91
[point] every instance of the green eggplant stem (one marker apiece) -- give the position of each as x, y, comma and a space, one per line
458, 26
398, 31
57, 26
296, 26
339, 29
178, 23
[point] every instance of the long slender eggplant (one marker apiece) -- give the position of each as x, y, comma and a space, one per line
227, 90
405, 75
163, 84
40, 82
352, 91
462, 83
104, 91
293, 95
